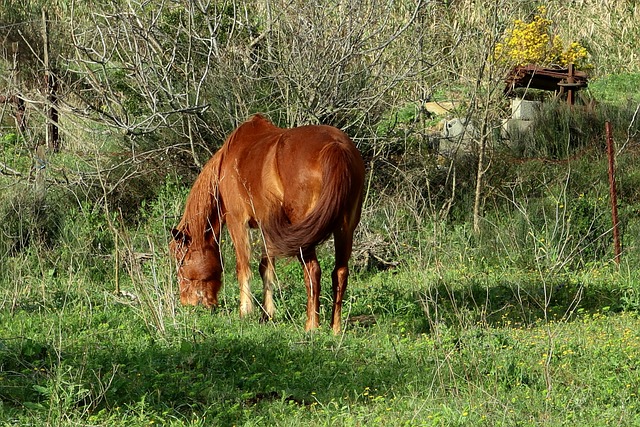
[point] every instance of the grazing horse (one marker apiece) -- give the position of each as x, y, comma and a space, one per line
298, 186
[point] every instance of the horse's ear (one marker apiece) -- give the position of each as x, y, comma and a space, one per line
179, 235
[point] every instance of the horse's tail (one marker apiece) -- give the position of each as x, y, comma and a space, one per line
342, 184
201, 210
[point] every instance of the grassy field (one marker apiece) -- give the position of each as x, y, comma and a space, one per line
527, 323
430, 347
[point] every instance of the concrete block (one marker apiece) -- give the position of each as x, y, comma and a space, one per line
523, 109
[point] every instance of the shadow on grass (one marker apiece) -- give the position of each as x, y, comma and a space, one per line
517, 304
222, 373
482, 300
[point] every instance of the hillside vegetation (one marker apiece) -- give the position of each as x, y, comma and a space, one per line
484, 289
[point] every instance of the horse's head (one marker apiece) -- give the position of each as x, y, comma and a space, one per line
199, 269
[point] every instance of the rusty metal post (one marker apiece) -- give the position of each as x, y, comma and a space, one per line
570, 89
613, 193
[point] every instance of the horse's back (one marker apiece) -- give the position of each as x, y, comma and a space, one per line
264, 155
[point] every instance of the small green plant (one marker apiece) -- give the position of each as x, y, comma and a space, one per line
403, 116
10, 138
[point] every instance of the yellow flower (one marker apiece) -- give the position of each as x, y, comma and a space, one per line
532, 42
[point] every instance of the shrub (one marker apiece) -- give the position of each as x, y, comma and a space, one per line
533, 43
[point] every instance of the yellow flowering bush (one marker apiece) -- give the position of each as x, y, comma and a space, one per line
532, 43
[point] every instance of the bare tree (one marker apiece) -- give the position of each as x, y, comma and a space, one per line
333, 62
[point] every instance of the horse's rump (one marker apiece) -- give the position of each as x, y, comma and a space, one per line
340, 193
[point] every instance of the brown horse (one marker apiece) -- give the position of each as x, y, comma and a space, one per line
298, 186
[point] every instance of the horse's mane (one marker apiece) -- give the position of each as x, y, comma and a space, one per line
201, 210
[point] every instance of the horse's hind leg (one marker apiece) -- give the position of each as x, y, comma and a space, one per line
339, 277
267, 272
312, 272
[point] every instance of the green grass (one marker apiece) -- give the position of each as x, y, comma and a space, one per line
522, 325
448, 347
616, 89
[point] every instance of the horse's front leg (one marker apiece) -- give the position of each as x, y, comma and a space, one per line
239, 233
312, 273
267, 272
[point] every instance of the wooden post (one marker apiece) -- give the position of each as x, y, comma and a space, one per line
613, 194
17, 99
52, 135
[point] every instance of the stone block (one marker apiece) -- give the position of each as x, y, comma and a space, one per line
523, 109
